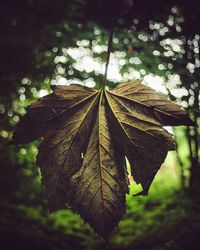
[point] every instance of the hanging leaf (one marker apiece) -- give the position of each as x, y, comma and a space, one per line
86, 135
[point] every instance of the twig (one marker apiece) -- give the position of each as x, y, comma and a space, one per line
108, 54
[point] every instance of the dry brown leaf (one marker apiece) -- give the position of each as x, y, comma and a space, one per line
86, 136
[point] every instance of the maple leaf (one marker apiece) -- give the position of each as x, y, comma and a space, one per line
86, 135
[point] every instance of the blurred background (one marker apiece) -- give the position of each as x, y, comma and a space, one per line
45, 42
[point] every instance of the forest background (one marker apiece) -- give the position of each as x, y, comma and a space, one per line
44, 43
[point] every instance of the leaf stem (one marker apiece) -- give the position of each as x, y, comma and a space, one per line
108, 55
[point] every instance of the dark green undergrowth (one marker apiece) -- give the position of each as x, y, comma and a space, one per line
166, 219
168, 222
